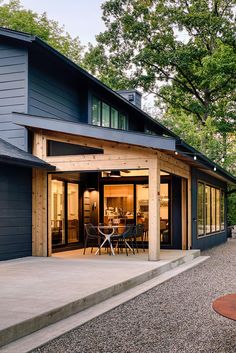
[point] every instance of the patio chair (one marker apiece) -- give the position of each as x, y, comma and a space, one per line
128, 236
139, 233
146, 229
91, 234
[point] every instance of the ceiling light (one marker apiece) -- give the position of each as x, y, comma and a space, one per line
115, 174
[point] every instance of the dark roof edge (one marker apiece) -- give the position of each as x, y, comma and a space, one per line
206, 161
87, 130
25, 163
26, 37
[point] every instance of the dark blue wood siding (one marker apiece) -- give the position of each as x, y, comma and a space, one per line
13, 92
213, 239
54, 94
15, 212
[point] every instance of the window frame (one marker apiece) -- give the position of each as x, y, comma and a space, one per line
120, 113
222, 196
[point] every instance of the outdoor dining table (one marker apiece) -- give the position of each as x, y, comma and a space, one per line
108, 236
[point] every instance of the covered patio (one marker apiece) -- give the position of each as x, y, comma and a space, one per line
88, 151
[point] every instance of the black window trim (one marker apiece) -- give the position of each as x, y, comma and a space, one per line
110, 106
203, 235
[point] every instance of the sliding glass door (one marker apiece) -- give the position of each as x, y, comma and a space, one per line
119, 204
128, 204
64, 213
58, 212
72, 213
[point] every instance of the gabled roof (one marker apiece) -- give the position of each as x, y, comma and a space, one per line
13, 155
183, 148
34, 41
86, 130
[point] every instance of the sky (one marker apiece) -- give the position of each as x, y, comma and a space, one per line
81, 18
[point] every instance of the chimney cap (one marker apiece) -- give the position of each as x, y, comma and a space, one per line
131, 95
120, 91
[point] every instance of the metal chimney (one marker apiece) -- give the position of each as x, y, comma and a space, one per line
132, 95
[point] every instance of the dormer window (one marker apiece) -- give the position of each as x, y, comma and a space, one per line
107, 116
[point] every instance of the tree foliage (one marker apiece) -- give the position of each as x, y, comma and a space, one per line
14, 16
184, 51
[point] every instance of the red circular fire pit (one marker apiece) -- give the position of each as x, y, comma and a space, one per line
226, 306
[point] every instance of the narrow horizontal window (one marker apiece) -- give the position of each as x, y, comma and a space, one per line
56, 148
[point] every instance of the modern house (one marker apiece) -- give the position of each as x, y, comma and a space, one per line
73, 151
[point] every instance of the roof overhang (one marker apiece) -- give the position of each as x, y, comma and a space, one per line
10, 154
86, 130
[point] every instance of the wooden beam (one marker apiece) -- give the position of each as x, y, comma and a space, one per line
115, 148
98, 164
154, 212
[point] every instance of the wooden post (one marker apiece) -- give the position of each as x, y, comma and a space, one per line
39, 213
39, 201
154, 211
184, 213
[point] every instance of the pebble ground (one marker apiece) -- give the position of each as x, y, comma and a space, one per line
174, 317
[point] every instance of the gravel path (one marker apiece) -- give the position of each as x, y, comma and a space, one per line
175, 316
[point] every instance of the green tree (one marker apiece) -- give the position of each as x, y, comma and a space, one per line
183, 51
14, 16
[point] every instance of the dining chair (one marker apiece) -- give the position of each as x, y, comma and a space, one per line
128, 236
146, 229
91, 234
139, 233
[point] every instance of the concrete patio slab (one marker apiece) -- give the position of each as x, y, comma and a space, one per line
37, 292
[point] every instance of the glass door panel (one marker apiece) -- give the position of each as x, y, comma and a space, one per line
73, 212
164, 214
142, 205
58, 212
142, 198
119, 204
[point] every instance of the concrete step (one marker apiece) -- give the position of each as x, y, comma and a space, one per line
60, 312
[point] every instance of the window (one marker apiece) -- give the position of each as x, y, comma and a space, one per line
218, 210
122, 122
106, 116
96, 111
119, 204
222, 210
200, 206
114, 119
210, 209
